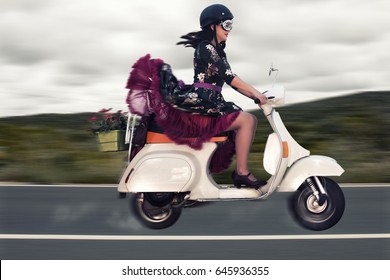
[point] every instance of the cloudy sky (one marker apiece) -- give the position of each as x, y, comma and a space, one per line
75, 55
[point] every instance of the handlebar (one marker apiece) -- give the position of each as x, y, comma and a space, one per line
274, 95
257, 101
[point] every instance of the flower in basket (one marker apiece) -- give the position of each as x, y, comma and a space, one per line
105, 120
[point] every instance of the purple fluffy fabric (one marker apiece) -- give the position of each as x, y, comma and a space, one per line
183, 128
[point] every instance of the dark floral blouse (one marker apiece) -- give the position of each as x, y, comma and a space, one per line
204, 97
210, 67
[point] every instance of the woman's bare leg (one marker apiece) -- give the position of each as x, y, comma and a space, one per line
245, 125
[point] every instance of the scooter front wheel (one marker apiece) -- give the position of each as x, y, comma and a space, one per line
155, 210
314, 215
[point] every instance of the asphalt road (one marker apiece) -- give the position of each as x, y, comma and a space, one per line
90, 222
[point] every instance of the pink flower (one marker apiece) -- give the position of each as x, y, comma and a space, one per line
105, 120
104, 110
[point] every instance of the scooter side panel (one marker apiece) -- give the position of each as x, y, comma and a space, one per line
169, 168
161, 173
307, 167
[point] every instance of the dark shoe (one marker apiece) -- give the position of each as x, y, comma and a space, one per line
244, 181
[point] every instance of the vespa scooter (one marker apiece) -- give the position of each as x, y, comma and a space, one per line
164, 177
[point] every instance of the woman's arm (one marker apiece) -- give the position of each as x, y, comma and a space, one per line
209, 55
247, 90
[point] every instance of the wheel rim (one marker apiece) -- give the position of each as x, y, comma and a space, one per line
153, 213
313, 206
313, 216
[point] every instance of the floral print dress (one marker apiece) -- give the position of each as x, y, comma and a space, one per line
204, 97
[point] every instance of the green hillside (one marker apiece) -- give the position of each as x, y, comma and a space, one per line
59, 148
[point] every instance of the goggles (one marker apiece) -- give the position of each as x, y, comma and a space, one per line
227, 25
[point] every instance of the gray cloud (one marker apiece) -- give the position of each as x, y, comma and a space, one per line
80, 52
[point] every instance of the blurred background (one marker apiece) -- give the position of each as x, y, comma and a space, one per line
61, 60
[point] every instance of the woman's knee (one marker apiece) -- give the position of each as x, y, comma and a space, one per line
250, 119
244, 119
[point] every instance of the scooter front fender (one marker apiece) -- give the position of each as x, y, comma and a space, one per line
307, 167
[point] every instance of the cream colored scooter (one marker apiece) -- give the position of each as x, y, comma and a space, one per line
164, 177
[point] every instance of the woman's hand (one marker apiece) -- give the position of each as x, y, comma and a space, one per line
263, 99
248, 90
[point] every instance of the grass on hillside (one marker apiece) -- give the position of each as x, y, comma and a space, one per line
59, 148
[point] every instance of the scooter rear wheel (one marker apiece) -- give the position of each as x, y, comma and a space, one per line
310, 214
155, 210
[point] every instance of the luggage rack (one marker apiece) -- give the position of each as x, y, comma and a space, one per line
132, 122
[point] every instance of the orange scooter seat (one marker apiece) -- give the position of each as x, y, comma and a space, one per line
155, 138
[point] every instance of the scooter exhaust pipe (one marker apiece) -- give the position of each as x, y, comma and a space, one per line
181, 204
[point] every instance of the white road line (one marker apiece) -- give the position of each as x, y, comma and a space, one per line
192, 237
362, 185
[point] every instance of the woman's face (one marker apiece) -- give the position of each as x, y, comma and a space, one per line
222, 34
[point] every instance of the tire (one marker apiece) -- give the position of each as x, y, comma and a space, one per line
155, 210
313, 216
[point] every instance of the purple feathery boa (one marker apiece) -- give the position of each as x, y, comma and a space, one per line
144, 98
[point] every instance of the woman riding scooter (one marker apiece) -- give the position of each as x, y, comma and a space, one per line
199, 110
163, 177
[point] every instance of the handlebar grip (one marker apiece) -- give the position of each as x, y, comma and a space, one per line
257, 101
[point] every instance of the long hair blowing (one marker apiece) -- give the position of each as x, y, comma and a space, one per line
193, 39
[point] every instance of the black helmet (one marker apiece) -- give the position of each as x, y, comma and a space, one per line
214, 14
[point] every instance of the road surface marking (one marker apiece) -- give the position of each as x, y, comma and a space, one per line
193, 237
